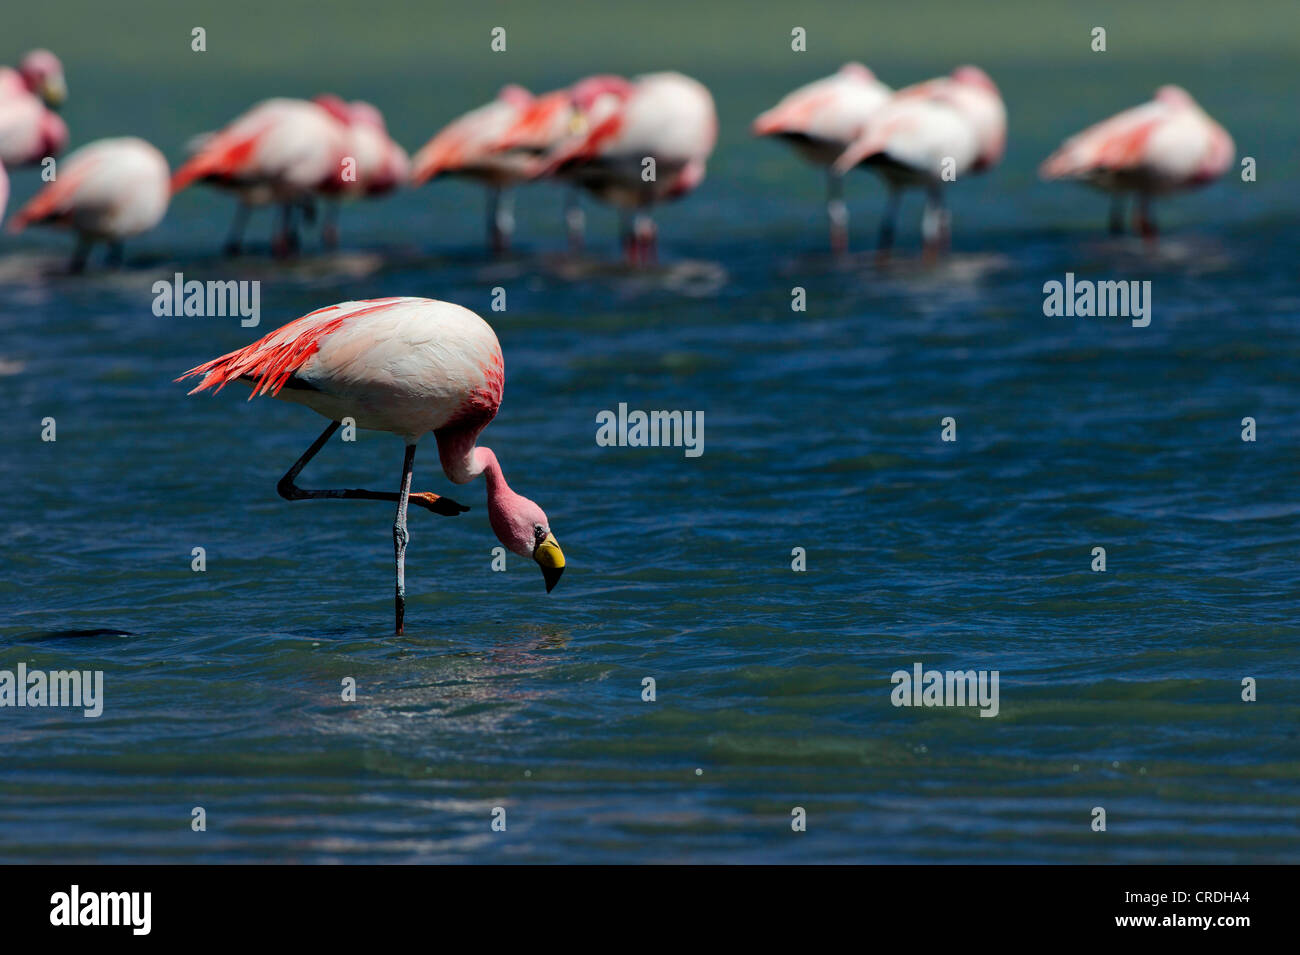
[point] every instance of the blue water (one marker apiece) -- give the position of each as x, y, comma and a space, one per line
1119, 690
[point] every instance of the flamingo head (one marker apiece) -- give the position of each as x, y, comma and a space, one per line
520, 524
974, 76
43, 74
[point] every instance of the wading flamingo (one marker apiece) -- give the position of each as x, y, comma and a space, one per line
408, 366
39, 73
378, 164
621, 125
928, 135
108, 190
279, 152
1163, 146
820, 120
470, 146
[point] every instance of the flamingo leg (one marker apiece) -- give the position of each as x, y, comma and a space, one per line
1117, 214
116, 253
932, 224
329, 230
645, 239
888, 220
235, 241
1146, 225
837, 211
575, 220
291, 492
500, 219
80, 254
627, 230
401, 537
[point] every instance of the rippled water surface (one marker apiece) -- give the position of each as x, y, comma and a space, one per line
822, 431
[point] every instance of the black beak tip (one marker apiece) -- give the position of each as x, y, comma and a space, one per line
552, 577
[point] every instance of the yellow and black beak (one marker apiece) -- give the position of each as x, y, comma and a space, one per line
54, 92
551, 559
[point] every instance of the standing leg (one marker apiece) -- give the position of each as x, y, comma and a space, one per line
496, 241
116, 253
505, 219
575, 220
627, 230
80, 254
400, 537
837, 212
235, 241
645, 236
932, 223
1117, 214
280, 241
887, 222
329, 230
1146, 225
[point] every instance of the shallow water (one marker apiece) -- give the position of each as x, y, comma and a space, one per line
822, 431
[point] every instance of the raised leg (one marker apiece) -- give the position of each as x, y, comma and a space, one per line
235, 240
837, 212
400, 537
1117, 214
575, 220
291, 492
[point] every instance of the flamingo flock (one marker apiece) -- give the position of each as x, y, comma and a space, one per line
630, 143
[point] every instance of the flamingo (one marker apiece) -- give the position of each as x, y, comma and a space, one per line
108, 190
470, 146
954, 124
408, 366
28, 130
379, 164
619, 125
41, 74
277, 152
820, 120
1162, 146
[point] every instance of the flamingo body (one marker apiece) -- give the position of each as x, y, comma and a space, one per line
28, 130
409, 366
110, 189
820, 119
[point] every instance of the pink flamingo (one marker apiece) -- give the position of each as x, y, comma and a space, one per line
927, 135
408, 366
28, 131
621, 126
280, 152
820, 120
41, 74
1163, 146
108, 190
471, 146
378, 164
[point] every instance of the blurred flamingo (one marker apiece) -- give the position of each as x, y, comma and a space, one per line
636, 143
378, 164
1162, 146
820, 120
279, 152
927, 135
473, 146
29, 131
409, 366
41, 74
108, 190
